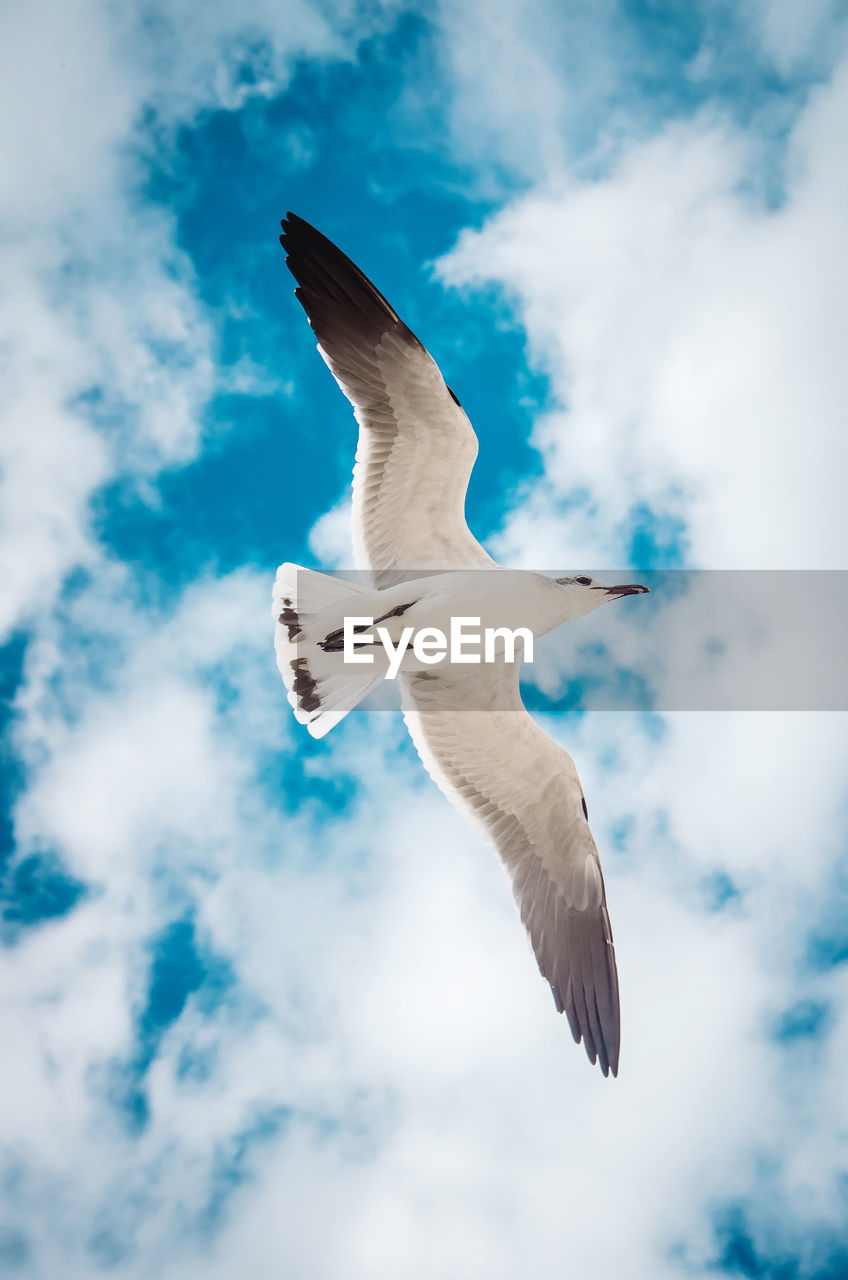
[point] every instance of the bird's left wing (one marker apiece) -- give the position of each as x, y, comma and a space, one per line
493, 762
416, 446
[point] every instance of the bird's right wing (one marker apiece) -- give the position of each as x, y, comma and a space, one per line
416, 446
493, 762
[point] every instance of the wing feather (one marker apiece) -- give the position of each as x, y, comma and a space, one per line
521, 789
416, 446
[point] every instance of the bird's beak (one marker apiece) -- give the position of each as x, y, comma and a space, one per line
631, 589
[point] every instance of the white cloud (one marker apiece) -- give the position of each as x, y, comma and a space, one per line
441, 1120
439, 1111
792, 36
329, 537
692, 337
110, 351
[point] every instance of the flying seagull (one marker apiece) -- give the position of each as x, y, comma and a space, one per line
471, 729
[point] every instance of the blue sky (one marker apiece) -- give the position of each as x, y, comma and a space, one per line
270, 1006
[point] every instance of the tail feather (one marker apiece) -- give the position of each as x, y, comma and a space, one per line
320, 688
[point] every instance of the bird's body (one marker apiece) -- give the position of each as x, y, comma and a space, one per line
476, 739
496, 598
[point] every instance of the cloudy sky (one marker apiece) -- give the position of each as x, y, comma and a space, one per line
267, 1008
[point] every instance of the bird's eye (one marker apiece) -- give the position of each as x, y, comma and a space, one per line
584, 582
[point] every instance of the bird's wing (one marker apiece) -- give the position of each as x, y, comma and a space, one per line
416, 446
493, 762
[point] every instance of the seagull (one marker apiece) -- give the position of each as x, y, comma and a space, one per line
475, 737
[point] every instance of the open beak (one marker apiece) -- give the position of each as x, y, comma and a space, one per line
631, 589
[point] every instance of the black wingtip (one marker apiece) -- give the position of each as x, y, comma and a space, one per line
291, 224
607, 1064
295, 226
602, 1049
336, 294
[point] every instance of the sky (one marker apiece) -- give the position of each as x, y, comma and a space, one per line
268, 1009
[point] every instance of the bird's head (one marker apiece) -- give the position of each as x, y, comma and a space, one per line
586, 594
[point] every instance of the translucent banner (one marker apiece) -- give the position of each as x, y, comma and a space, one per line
702, 640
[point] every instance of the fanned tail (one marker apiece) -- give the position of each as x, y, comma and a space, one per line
320, 688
